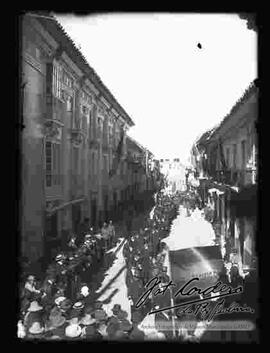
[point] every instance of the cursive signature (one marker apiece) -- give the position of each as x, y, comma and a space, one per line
208, 311
156, 287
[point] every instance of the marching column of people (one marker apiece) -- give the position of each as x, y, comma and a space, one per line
144, 253
62, 305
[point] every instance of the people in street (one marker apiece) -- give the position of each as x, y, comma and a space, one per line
65, 307
105, 236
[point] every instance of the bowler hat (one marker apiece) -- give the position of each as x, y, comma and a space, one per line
36, 328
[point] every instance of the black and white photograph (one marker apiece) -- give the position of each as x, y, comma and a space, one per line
138, 163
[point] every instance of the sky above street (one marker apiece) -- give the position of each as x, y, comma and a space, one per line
172, 90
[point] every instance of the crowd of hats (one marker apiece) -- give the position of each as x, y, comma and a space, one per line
144, 253
78, 322
57, 316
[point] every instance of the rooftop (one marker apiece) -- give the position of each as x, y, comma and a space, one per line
56, 30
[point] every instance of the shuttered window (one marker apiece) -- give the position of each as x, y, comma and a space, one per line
53, 166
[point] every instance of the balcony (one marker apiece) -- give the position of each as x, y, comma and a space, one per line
236, 177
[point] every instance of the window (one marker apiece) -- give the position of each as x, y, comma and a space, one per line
234, 155
61, 79
53, 159
93, 163
67, 80
86, 97
243, 146
48, 164
57, 81
228, 157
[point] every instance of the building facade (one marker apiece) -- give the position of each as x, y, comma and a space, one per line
225, 159
175, 173
73, 127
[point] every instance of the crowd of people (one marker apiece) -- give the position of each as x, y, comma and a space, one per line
62, 305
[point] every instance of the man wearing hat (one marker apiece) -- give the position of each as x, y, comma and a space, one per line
36, 331
116, 309
77, 310
99, 314
65, 307
112, 327
84, 295
30, 291
136, 288
49, 289
34, 314
57, 323
87, 318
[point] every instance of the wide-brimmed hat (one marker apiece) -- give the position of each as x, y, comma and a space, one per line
73, 331
59, 300
78, 305
36, 328
34, 306
116, 308
87, 320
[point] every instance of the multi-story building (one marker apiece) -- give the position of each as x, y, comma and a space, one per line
73, 125
226, 161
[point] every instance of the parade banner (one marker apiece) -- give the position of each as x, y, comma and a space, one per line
203, 262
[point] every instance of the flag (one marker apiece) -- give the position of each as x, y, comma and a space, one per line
119, 153
204, 262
